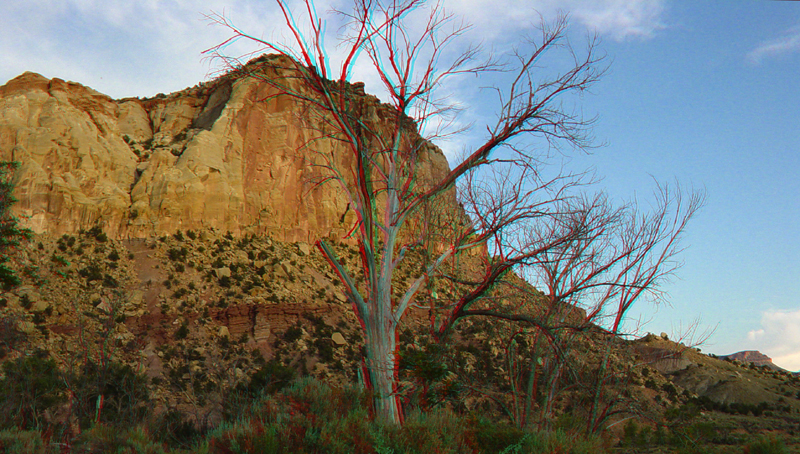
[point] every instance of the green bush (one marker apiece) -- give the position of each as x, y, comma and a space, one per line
15, 441
91, 273
560, 442
177, 255
125, 395
293, 333
313, 417
10, 333
98, 234
270, 378
31, 385
103, 438
109, 281
11, 234
172, 427
766, 445
182, 332
241, 437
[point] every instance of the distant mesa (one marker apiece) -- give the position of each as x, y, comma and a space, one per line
753, 357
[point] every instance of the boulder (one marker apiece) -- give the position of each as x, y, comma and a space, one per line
338, 339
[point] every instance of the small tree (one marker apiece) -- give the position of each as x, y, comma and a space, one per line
10, 232
589, 284
30, 385
503, 183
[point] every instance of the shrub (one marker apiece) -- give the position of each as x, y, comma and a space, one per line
292, 334
111, 439
98, 234
182, 332
244, 437
270, 378
16, 441
91, 272
109, 281
766, 445
496, 438
10, 333
59, 260
174, 428
177, 255
124, 394
558, 441
10, 231
31, 385
25, 301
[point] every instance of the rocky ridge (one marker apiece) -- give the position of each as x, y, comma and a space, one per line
228, 154
753, 357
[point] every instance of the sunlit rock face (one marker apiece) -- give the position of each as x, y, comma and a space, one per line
227, 154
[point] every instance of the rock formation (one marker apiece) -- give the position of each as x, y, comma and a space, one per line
227, 154
752, 357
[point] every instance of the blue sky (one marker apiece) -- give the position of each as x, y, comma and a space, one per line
704, 92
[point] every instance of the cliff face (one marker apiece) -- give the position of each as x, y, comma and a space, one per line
227, 154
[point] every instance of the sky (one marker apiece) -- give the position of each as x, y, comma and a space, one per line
704, 93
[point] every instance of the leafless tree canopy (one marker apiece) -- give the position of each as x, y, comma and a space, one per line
580, 249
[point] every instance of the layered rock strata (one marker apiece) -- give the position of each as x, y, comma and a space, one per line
228, 154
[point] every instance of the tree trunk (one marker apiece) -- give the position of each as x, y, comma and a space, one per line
594, 415
381, 346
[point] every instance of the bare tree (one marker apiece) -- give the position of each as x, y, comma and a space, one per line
502, 182
582, 290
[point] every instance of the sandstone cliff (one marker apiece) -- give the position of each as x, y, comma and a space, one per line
227, 154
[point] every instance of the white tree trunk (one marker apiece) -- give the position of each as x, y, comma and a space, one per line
381, 344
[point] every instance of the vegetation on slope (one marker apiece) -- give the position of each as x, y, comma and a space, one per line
111, 343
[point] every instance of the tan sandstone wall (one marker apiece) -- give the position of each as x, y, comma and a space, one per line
226, 154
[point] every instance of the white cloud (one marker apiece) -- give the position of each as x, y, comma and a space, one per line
119, 47
621, 19
123, 48
126, 48
755, 334
786, 44
778, 337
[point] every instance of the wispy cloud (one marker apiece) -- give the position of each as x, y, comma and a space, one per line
125, 48
621, 19
788, 43
778, 337
119, 47
618, 19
